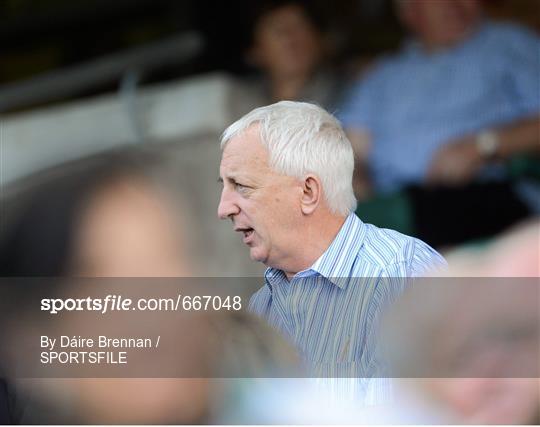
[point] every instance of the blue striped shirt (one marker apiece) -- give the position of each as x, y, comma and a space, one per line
331, 315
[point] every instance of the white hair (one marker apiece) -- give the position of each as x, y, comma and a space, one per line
303, 138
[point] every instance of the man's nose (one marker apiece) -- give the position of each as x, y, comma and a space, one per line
227, 208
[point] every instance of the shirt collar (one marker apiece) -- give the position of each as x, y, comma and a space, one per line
336, 262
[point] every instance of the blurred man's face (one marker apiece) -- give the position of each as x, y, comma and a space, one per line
128, 230
263, 205
440, 23
285, 43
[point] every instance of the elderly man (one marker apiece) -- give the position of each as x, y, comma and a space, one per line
459, 99
287, 188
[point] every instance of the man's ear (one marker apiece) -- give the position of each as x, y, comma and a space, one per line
311, 194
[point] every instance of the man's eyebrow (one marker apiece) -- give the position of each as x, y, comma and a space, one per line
228, 179
220, 180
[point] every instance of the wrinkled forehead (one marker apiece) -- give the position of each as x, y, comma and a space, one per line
245, 151
247, 143
251, 132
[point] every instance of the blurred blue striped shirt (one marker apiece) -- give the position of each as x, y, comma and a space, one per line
330, 314
414, 102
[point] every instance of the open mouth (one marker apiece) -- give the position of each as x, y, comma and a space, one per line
246, 232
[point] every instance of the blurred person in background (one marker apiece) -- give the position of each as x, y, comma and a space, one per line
471, 338
286, 47
100, 217
104, 216
245, 356
114, 215
440, 118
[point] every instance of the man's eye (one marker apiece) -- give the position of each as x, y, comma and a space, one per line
241, 188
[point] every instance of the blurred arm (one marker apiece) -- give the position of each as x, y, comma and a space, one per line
520, 137
458, 161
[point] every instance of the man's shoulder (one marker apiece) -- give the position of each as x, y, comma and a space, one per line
508, 29
500, 34
384, 247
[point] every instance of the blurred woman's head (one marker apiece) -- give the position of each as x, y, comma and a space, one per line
105, 216
285, 41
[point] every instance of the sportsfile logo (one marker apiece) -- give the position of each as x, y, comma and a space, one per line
119, 303
103, 305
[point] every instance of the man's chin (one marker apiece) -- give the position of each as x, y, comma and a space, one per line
256, 255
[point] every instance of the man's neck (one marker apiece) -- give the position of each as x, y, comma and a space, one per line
433, 45
316, 237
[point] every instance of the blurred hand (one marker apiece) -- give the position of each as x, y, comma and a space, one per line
455, 163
